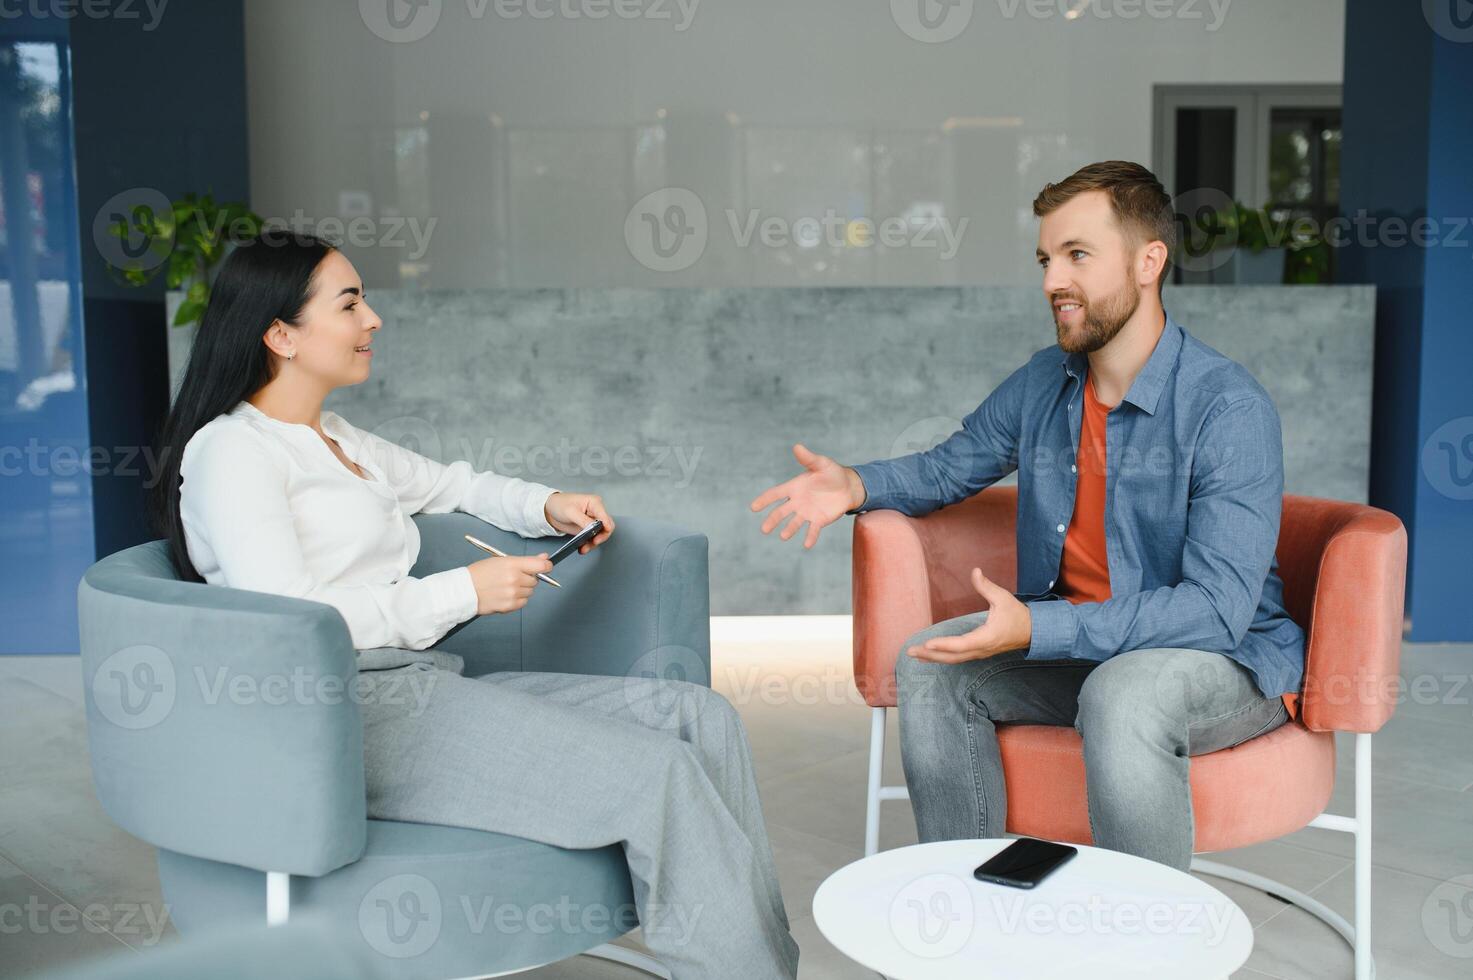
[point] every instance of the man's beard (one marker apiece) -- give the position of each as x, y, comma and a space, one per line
1102, 321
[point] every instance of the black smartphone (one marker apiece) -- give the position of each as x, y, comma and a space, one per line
576, 541
1024, 863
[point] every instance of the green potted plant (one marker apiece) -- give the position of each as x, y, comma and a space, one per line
1258, 235
187, 242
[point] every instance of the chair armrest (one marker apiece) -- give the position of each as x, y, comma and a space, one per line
911, 572
892, 599
1356, 558
638, 604
221, 723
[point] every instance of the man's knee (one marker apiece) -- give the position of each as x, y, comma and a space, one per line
1123, 692
917, 679
920, 684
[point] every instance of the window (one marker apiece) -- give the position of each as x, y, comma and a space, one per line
1274, 147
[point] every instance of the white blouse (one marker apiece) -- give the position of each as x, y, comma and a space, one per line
267, 506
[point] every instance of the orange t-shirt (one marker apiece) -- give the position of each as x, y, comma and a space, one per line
1084, 570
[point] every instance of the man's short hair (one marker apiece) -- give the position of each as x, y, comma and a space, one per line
1141, 204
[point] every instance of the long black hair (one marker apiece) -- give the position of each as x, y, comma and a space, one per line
264, 279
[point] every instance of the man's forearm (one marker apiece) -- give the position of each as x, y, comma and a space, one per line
1180, 616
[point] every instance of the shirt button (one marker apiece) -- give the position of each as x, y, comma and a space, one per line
1073, 468
1060, 529
1051, 583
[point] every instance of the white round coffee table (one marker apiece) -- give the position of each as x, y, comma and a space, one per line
916, 913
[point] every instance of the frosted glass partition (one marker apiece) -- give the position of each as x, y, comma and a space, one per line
570, 143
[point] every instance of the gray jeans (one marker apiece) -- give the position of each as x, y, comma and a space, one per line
1141, 715
661, 767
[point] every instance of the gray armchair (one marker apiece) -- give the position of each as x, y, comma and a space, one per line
223, 730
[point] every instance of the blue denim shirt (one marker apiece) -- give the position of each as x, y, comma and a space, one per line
1194, 484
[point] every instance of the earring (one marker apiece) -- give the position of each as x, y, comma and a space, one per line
291, 355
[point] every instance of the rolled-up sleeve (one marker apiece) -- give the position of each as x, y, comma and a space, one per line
1235, 503
234, 495
981, 452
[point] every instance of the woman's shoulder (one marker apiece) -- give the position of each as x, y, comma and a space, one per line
227, 437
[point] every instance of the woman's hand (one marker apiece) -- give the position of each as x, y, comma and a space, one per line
503, 585
572, 512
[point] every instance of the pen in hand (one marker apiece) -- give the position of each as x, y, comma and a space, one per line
501, 554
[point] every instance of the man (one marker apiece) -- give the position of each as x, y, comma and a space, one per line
1151, 616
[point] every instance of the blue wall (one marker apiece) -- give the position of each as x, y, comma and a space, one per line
46, 514
140, 104
1408, 140
162, 109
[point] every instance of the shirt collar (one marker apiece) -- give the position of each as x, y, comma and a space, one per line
1145, 390
330, 420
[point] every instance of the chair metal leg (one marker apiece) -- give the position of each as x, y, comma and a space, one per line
278, 897
877, 792
876, 765
1365, 967
1358, 937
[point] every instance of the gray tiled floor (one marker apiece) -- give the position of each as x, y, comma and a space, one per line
85, 888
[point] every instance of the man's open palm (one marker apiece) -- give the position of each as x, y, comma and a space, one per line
824, 492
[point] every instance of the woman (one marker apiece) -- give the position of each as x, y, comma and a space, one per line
273, 494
